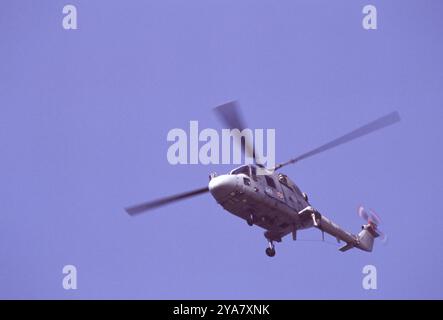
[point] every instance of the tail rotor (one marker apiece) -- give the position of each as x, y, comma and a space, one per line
373, 221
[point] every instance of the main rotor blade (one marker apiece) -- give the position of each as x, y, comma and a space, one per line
163, 201
360, 132
230, 115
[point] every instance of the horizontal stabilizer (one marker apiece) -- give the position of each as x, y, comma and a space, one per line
346, 247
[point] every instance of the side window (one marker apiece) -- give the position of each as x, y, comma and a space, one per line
270, 182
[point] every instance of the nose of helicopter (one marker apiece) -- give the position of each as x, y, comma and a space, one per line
222, 186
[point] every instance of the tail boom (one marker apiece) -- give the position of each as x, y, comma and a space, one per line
363, 241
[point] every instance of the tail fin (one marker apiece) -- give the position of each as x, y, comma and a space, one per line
366, 238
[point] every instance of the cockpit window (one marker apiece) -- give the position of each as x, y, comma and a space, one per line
289, 187
244, 170
285, 181
270, 182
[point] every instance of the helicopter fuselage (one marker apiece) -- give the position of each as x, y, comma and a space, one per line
272, 202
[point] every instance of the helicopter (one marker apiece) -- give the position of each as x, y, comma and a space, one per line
272, 201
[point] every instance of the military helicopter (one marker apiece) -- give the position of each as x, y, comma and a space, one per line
272, 201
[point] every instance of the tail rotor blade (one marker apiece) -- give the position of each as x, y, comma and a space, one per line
374, 220
374, 217
383, 236
363, 214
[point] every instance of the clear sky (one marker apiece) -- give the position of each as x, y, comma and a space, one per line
84, 116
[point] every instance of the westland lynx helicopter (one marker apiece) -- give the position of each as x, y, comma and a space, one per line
272, 201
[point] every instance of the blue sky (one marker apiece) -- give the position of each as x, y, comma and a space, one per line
84, 119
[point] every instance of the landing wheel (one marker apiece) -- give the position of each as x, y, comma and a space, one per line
250, 220
270, 252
